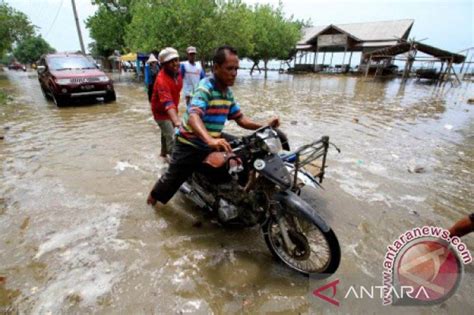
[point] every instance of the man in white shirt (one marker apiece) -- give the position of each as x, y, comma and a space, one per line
192, 73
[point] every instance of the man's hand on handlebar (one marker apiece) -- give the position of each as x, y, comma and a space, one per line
274, 122
219, 144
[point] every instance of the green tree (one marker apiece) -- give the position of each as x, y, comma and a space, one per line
234, 26
14, 27
160, 23
107, 25
274, 36
30, 49
205, 24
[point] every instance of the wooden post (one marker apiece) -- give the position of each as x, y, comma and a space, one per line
407, 69
468, 66
441, 71
368, 66
405, 75
344, 56
456, 76
332, 55
350, 58
324, 57
462, 66
448, 70
315, 59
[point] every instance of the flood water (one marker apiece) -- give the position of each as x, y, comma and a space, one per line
78, 237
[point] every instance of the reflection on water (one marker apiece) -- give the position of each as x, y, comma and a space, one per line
77, 236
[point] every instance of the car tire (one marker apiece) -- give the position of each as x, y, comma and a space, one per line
45, 94
60, 101
110, 97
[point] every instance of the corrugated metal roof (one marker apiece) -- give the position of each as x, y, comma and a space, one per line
310, 32
368, 31
385, 30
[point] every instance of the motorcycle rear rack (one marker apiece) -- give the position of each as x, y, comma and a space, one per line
313, 157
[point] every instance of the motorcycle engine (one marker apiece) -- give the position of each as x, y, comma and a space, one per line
227, 211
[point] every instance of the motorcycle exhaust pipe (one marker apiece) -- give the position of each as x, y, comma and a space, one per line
185, 188
192, 195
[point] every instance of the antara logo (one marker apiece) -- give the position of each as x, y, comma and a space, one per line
361, 292
333, 286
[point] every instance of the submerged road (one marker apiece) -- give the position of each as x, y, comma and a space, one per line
77, 236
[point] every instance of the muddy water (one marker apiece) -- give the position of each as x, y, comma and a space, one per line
78, 237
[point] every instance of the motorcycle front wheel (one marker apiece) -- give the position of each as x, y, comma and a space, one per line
314, 253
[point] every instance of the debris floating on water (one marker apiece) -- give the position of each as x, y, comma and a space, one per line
449, 127
470, 101
121, 166
416, 169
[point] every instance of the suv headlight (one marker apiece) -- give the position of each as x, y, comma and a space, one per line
104, 78
63, 81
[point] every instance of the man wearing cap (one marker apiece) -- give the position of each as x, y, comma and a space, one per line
192, 73
201, 132
165, 98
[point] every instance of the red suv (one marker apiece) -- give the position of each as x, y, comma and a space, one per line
64, 76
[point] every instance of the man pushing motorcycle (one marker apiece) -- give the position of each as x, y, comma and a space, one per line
201, 131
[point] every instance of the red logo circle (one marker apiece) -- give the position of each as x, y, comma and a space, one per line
430, 270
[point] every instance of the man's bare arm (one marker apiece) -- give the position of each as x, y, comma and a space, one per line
174, 117
200, 130
247, 123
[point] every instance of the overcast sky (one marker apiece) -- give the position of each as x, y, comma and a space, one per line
448, 24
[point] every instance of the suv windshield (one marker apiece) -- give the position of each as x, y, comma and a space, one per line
69, 63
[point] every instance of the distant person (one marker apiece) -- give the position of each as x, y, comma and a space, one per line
192, 73
152, 70
165, 98
463, 226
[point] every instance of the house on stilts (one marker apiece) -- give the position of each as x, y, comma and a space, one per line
377, 45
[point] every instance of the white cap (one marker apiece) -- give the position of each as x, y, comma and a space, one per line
151, 59
191, 50
167, 54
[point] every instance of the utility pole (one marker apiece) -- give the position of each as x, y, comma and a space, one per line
78, 26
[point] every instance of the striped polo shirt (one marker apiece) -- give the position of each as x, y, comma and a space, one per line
214, 108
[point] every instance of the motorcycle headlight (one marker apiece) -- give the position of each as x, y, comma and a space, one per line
273, 145
103, 78
271, 141
63, 81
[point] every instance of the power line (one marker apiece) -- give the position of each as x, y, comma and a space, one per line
54, 20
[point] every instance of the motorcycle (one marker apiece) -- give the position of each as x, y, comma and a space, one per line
258, 183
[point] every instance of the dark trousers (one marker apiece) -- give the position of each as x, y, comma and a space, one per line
150, 92
185, 160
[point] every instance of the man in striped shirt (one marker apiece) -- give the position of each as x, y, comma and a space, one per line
200, 133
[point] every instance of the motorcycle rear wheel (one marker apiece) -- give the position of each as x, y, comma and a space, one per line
311, 245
